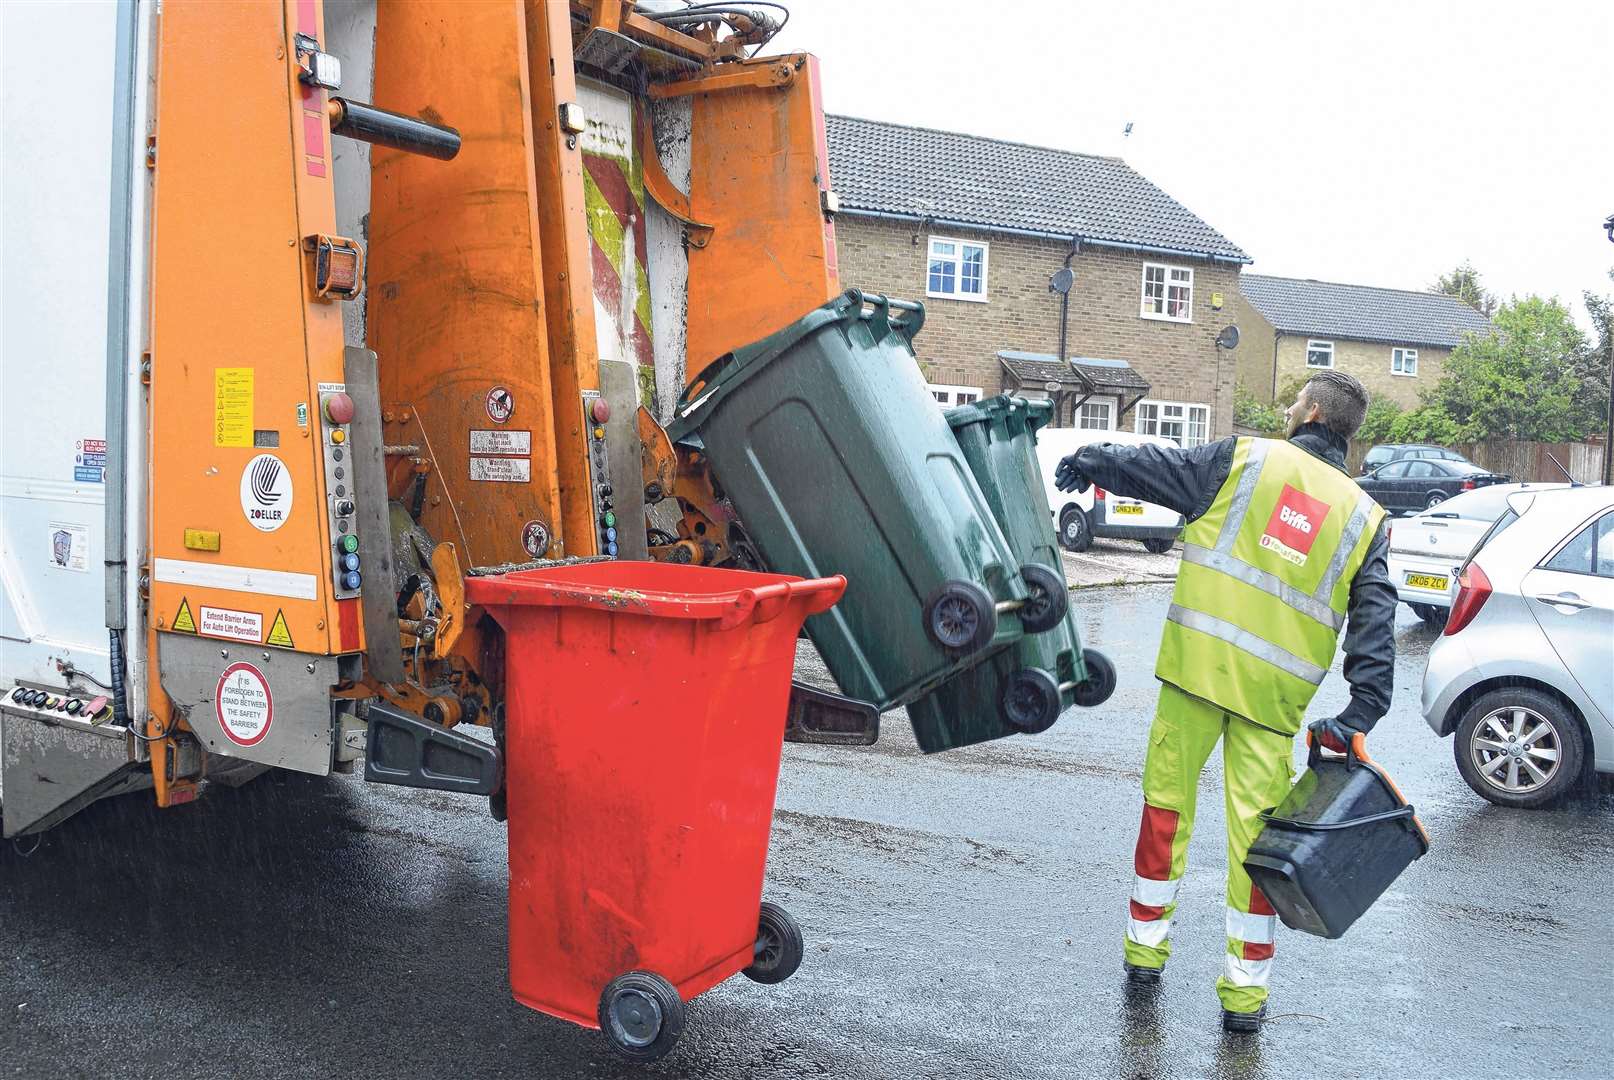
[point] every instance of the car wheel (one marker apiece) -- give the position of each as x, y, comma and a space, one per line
1432, 616
1075, 531
1158, 545
1435, 499
1519, 747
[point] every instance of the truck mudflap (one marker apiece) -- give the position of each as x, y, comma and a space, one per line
405, 750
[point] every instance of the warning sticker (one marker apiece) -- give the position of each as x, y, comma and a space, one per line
69, 546
244, 704
501, 442
500, 404
279, 633
89, 461
238, 625
184, 622
1293, 527
513, 470
232, 406
266, 492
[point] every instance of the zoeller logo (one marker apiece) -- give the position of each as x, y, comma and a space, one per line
266, 492
1294, 525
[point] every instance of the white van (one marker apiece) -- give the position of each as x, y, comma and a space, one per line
1096, 512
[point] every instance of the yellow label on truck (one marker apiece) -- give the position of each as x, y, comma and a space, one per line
232, 406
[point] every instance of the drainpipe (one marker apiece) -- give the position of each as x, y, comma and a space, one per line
1064, 317
1277, 336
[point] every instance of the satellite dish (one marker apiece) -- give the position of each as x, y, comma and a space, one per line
1062, 280
1051, 386
1228, 338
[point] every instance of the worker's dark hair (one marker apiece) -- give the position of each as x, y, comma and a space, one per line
1340, 398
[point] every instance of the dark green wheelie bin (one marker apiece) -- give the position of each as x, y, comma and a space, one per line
837, 460
1023, 688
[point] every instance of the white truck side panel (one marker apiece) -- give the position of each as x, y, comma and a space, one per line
58, 73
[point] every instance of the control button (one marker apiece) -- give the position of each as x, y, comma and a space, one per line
605, 491
351, 579
610, 549
73, 707
96, 704
348, 544
610, 519
18, 693
348, 561
600, 410
338, 436
610, 534
599, 433
344, 508
52, 701
61, 705
338, 410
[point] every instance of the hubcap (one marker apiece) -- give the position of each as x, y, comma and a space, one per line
1515, 749
956, 621
769, 949
636, 1017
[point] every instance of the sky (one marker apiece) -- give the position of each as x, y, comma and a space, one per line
1370, 143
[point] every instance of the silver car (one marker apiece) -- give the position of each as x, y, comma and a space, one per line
1523, 675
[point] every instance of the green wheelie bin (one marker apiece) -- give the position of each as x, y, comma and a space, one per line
1023, 688
836, 459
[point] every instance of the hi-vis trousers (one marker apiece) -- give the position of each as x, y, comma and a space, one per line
1259, 769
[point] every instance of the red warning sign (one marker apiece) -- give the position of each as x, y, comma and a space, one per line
244, 704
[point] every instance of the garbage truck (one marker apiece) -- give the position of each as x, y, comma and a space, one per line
325, 321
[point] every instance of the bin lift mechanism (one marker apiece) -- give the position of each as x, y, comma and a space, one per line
332, 625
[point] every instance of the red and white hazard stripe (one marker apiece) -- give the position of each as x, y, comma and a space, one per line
1147, 923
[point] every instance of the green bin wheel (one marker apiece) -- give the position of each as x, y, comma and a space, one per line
960, 617
1100, 682
1047, 601
641, 1015
779, 946
1030, 700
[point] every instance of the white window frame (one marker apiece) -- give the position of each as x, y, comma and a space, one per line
1404, 362
1319, 346
1107, 404
955, 394
957, 261
1179, 413
1168, 282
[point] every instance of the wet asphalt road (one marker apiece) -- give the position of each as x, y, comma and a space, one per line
963, 917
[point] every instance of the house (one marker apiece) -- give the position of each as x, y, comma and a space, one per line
1394, 340
976, 227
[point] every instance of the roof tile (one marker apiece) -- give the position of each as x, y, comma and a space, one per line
1361, 312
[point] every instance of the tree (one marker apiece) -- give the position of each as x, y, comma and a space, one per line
1382, 413
1464, 283
1528, 380
1427, 424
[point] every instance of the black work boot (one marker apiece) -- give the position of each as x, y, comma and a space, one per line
1243, 1023
1141, 978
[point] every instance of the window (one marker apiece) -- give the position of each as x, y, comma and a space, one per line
1168, 292
1320, 354
1419, 469
1403, 361
957, 270
1184, 424
1095, 415
1394, 471
1590, 552
948, 395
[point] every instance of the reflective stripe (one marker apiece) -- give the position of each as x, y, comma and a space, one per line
1152, 893
1244, 641
1242, 926
1242, 972
1150, 933
1240, 505
1347, 544
1313, 607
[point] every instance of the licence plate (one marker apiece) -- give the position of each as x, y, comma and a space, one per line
1436, 582
1129, 508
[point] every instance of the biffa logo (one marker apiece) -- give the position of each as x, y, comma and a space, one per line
1294, 525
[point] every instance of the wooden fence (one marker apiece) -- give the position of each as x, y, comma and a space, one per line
1520, 460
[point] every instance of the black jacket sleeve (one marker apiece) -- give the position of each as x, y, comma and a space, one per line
1182, 480
1370, 638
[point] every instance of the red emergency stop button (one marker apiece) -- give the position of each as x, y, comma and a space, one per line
600, 411
338, 408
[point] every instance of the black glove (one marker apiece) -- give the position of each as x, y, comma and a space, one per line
1068, 475
1334, 733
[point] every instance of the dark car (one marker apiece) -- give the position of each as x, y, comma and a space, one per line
1419, 483
1385, 453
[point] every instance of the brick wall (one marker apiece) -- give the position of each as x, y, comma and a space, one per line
1370, 362
961, 338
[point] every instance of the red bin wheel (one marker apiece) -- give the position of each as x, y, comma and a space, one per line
779, 946
641, 1015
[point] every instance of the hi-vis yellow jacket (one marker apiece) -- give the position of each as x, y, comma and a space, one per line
1265, 581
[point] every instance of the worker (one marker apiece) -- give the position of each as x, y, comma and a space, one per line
1281, 550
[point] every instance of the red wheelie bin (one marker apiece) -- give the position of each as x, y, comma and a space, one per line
644, 717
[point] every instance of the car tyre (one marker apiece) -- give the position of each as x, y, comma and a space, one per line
1433, 616
1075, 530
1159, 545
1434, 499
1521, 724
